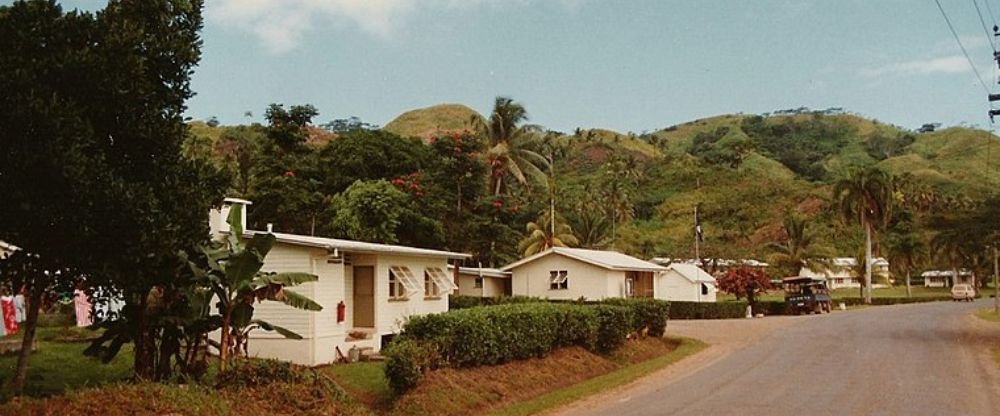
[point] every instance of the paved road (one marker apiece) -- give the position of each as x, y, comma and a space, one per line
926, 359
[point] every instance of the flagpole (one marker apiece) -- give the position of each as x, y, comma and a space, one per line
697, 253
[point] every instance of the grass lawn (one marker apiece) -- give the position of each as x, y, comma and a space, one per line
363, 380
597, 384
890, 292
58, 366
988, 315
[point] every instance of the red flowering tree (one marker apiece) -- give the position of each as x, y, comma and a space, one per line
745, 281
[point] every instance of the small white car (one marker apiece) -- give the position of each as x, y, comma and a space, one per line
963, 291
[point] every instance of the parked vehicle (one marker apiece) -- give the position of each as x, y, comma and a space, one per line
963, 291
806, 295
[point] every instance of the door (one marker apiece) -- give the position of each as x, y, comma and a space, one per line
364, 297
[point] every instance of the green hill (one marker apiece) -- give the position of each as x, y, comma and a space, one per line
429, 121
747, 171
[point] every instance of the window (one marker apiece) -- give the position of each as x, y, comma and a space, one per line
479, 283
704, 289
402, 282
558, 280
629, 287
436, 282
430, 288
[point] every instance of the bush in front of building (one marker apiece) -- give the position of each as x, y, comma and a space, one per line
502, 333
649, 315
705, 310
456, 302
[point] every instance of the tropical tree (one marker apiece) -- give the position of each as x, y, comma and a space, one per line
543, 234
369, 211
798, 248
619, 180
745, 281
509, 153
230, 272
592, 228
866, 197
905, 247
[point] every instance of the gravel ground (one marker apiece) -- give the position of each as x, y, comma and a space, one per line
921, 359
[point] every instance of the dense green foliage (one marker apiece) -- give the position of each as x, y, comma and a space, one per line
705, 310
516, 328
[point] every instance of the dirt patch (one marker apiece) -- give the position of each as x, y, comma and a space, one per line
473, 391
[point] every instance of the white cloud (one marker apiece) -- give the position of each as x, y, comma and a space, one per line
941, 65
280, 25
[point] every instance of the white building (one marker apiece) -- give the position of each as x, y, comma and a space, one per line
687, 283
380, 286
843, 273
946, 278
482, 281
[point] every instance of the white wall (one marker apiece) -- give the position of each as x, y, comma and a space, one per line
671, 285
291, 258
390, 315
492, 286
585, 280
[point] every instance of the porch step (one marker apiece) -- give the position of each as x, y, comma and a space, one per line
369, 354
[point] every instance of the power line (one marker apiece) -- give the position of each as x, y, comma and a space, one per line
990, 10
962, 47
989, 38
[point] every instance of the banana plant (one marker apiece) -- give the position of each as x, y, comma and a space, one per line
231, 271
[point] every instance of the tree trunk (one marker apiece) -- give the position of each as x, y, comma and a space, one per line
30, 325
145, 347
868, 264
224, 341
909, 291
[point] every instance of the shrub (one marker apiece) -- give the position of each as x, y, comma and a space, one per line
514, 331
703, 310
771, 307
252, 373
406, 361
892, 301
456, 302
613, 326
650, 315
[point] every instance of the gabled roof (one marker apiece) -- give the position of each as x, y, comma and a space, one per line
358, 246
611, 260
692, 273
481, 271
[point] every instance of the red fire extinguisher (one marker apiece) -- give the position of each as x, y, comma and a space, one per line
341, 312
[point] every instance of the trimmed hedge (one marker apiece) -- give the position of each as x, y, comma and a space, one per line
456, 302
705, 310
523, 329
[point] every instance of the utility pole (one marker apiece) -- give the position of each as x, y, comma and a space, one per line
996, 287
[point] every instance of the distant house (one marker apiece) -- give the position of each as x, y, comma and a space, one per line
574, 273
716, 267
481, 281
6, 249
380, 285
687, 283
946, 278
843, 274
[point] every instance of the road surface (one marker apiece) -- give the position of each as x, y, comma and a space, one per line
921, 359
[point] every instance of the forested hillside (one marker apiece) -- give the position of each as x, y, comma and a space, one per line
446, 176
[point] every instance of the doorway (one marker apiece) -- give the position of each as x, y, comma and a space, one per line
364, 296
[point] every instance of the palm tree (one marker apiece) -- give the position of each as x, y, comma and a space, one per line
865, 196
798, 248
592, 228
951, 246
509, 152
541, 236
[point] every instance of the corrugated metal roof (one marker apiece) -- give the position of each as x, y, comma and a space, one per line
359, 246
611, 260
692, 272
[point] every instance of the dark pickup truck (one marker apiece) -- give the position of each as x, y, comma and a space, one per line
806, 295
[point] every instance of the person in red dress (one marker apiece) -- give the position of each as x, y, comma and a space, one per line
9, 312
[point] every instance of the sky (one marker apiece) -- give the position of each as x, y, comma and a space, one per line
627, 65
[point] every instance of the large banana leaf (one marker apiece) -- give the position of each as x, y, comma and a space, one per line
243, 266
242, 315
278, 294
270, 327
287, 279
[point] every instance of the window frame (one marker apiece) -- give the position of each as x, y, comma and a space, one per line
403, 279
558, 280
